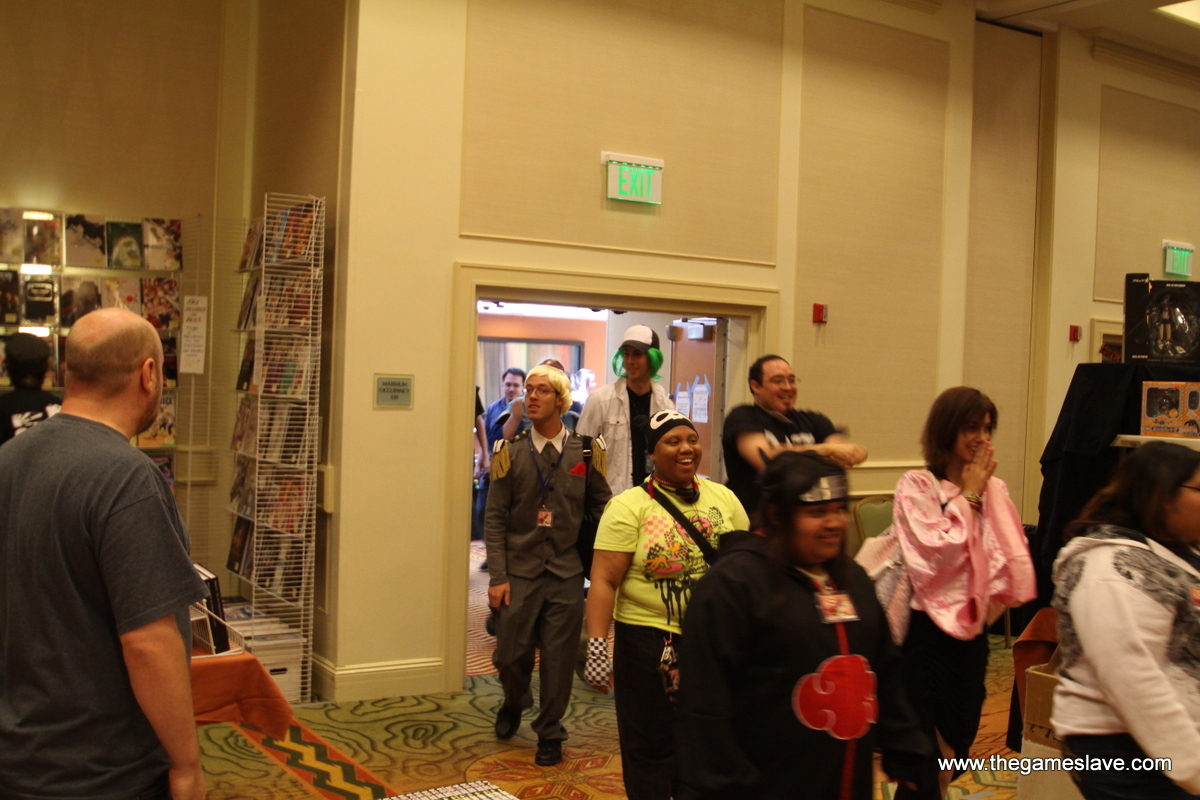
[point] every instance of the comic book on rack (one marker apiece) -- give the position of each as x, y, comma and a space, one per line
78, 296
214, 604
289, 441
10, 297
12, 235
287, 300
166, 465
160, 302
271, 561
285, 367
43, 241
245, 380
287, 512
245, 426
248, 315
293, 573
39, 300
252, 247
170, 346
124, 245
288, 235
161, 432
123, 293
240, 547
87, 241
242, 491
162, 243
297, 236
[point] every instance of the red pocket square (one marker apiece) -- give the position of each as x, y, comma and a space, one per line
579, 469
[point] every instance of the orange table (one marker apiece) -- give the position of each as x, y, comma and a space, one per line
1035, 646
236, 688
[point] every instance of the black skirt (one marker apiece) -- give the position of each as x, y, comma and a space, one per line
945, 678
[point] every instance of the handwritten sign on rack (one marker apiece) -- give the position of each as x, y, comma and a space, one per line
195, 334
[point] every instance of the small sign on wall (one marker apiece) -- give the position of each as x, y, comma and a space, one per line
1177, 258
637, 179
394, 391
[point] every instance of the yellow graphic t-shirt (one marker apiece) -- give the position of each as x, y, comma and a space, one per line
666, 562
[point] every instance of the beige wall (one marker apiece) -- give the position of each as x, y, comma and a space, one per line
96, 125
1000, 255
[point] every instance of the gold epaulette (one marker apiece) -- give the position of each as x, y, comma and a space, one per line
600, 455
501, 460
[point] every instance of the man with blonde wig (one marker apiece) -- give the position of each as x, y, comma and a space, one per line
541, 484
97, 583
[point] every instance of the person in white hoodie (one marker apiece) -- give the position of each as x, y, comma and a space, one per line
1128, 596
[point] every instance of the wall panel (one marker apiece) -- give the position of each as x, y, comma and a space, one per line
872, 148
1000, 258
551, 83
1149, 171
110, 108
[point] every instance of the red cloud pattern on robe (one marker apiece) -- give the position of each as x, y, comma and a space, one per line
838, 698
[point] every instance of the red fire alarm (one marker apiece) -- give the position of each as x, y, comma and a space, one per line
1076, 333
820, 313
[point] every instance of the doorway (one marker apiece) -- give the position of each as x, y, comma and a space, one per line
750, 314
519, 336
753, 316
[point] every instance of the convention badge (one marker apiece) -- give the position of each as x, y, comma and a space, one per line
545, 517
1195, 593
836, 607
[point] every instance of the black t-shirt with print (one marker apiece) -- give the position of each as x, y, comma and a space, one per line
800, 427
21, 409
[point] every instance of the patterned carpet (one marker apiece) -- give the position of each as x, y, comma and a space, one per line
385, 747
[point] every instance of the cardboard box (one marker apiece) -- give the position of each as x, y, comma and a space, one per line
1039, 741
1171, 408
279, 647
1040, 681
1162, 320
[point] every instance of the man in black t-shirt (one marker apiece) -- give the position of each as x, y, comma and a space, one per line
773, 425
26, 359
94, 627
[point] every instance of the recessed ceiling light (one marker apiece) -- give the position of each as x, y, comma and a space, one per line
1188, 12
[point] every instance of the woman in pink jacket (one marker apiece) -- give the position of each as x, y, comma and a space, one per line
967, 557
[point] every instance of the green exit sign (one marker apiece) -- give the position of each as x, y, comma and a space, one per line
1177, 258
637, 179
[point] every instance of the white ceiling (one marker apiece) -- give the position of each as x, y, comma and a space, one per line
1132, 22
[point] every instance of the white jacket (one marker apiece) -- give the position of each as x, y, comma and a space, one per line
606, 414
1129, 630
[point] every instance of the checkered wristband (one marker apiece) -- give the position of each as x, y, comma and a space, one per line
597, 668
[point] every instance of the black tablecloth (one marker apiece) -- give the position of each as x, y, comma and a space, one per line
1104, 400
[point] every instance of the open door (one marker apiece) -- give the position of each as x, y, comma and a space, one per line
697, 382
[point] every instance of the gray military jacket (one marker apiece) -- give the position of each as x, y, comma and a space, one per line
516, 544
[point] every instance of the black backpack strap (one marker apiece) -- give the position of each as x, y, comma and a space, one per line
710, 555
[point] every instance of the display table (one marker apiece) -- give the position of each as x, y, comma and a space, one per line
1103, 401
236, 688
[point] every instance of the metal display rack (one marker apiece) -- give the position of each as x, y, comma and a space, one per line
274, 495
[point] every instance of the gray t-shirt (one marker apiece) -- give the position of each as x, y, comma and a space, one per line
91, 547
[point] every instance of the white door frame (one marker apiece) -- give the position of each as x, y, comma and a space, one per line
759, 306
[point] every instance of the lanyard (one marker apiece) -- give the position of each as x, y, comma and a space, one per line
852, 744
545, 482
